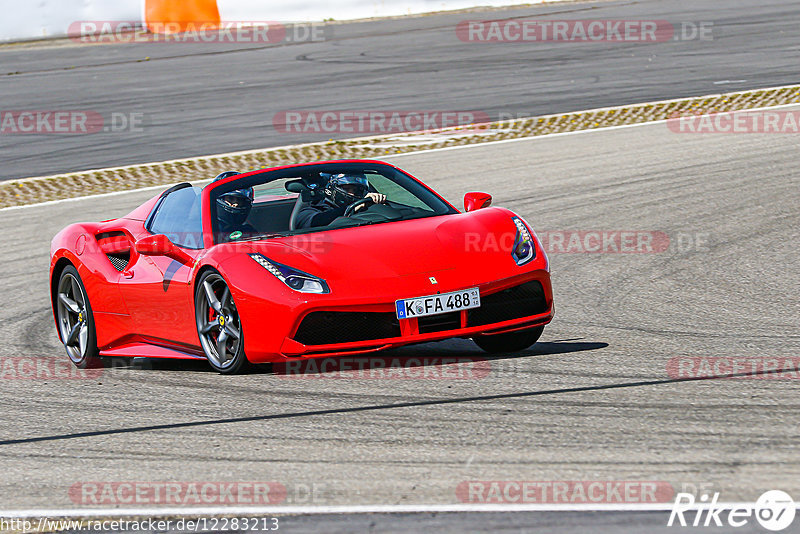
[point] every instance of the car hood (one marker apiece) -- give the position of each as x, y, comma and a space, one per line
475, 245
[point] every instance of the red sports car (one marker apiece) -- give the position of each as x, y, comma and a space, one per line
303, 261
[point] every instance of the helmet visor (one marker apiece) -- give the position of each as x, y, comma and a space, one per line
355, 185
236, 200
233, 207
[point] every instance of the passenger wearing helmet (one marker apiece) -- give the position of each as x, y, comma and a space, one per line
233, 209
340, 191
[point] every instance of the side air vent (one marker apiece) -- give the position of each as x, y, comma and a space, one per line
117, 248
119, 261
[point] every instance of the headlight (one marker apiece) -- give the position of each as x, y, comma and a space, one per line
293, 278
524, 247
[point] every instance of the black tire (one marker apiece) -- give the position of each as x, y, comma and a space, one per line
75, 320
217, 319
511, 342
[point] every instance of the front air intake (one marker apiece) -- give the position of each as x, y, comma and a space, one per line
324, 328
512, 303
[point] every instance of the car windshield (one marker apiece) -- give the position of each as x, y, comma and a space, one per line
323, 197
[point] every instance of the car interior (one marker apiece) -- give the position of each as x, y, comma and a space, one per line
275, 211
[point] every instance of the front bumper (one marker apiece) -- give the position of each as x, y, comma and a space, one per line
494, 317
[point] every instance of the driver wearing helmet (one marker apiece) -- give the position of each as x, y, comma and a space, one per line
233, 208
341, 191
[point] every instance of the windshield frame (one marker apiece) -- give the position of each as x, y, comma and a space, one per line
216, 189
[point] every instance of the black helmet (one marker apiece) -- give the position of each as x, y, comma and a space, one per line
345, 188
233, 207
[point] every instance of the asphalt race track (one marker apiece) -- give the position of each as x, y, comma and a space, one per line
592, 401
199, 99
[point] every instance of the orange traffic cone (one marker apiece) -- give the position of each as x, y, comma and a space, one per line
175, 16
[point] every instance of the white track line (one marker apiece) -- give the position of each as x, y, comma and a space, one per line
575, 132
355, 509
413, 153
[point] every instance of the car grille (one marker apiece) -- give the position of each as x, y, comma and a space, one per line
512, 303
323, 328
439, 323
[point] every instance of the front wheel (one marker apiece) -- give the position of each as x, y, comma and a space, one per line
511, 342
76, 321
218, 325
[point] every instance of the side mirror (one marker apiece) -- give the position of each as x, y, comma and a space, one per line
307, 192
475, 201
159, 245
295, 186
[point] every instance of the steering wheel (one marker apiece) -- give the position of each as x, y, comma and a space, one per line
351, 209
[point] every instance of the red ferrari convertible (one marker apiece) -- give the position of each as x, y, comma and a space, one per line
303, 261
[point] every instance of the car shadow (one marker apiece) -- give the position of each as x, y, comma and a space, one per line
157, 364
412, 356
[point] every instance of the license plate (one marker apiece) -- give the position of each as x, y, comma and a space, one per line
436, 304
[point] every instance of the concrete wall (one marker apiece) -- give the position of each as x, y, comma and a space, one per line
32, 19
313, 10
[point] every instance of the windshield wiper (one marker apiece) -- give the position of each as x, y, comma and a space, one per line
263, 236
388, 220
369, 223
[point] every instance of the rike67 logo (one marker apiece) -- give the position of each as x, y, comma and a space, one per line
774, 510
